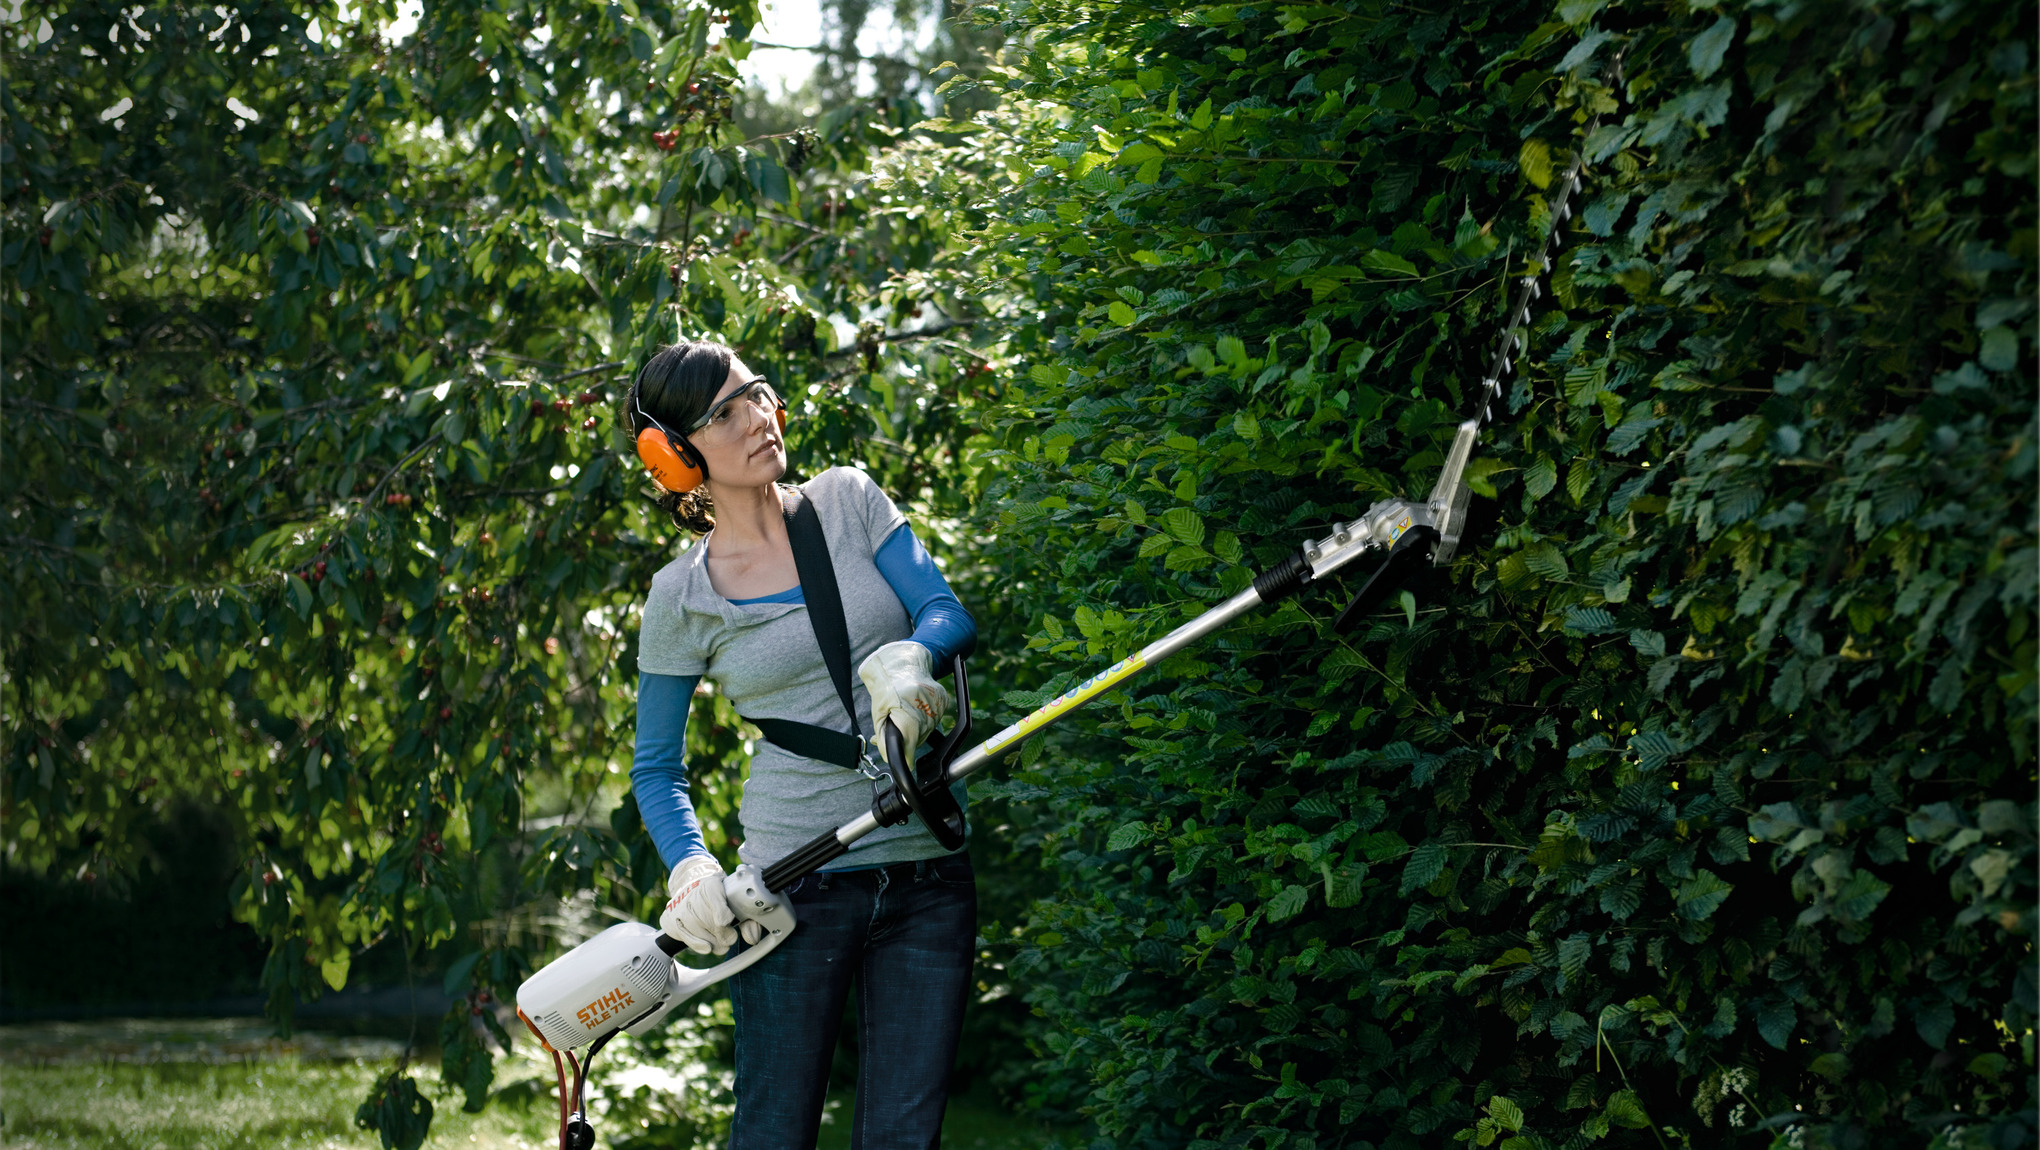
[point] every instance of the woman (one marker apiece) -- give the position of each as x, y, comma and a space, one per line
896, 918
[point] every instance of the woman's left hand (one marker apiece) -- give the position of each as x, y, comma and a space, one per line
903, 689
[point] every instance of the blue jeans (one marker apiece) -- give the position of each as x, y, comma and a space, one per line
904, 936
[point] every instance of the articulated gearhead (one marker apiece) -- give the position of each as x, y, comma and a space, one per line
1385, 523
1379, 528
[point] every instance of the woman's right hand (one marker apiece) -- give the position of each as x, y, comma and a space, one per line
697, 913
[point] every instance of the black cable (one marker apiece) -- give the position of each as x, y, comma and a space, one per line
579, 1133
587, 1066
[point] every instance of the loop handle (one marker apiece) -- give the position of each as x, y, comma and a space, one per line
922, 788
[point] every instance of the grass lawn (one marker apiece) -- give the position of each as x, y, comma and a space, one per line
289, 1102
284, 1105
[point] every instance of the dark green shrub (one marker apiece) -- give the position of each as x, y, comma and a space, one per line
1699, 798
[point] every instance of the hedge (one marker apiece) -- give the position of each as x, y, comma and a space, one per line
1697, 799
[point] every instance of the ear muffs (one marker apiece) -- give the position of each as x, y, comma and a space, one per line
677, 467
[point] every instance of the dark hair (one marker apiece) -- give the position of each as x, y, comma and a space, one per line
676, 387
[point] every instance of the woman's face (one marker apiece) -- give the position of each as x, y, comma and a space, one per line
741, 443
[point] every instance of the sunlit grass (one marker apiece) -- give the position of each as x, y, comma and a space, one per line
289, 1104
281, 1105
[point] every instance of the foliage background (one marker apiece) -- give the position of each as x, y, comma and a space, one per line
317, 511
1697, 800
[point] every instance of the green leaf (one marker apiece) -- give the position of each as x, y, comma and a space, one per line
1425, 865
397, 1112
1577, 12
1625, 1109
1545, 562
1700, 896
1506, 1113
1582, 380
1573, 952
947, 126
1590, 621
769, 179
1534, 158
300, 594
1120, 313
1621, 900
1183, 525
2000, 350
1287, 903
1540, 477
1775, 1019
1707, 49
1387, 261
456, 980
333, 968
1128, 836
1343, 885
1227, 545
1380, 846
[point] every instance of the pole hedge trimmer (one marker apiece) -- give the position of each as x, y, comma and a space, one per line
626, 979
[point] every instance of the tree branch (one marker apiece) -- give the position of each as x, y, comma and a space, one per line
839, 53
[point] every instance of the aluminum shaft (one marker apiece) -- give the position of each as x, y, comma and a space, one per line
991, 750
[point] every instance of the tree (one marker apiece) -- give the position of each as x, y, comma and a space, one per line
318, 506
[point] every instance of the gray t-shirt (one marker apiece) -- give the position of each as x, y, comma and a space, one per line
764, 657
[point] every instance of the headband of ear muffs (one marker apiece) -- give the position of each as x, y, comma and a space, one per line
674, 463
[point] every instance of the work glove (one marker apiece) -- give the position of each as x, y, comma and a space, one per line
697, 913
903, 689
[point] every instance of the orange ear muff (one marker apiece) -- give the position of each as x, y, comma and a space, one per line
679, 470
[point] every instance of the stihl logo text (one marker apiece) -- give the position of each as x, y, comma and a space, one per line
603, 1009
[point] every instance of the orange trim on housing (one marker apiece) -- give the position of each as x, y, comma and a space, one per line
533, 1027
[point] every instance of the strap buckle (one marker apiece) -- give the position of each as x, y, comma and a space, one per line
870, 769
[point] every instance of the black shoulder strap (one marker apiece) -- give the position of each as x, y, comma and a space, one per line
824, 597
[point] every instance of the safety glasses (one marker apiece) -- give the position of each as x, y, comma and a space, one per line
723, 415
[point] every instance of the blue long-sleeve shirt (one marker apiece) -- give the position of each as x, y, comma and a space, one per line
658, 772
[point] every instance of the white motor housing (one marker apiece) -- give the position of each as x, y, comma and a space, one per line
625, 978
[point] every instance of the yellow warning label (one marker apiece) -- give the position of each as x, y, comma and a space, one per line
1066, 702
